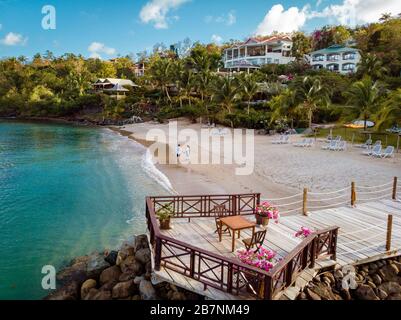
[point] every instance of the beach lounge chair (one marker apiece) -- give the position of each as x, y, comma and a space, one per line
279, 141
286, 139
341, 146
309, 143
366, 145
374, 151
300, 144
388, 153
331, 145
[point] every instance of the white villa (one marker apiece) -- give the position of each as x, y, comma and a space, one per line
336, 58
256, 52
114, 87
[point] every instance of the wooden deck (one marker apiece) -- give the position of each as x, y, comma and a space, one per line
361, 239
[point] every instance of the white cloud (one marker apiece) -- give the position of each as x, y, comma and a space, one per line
156, 11
228, 19
280, 20
353, 12
349, 12
97, 48
14, 39
217, 39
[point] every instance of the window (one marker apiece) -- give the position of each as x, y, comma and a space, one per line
318, 57
318, 66
256, 51
349, 56
333, 67
333, 57
277, 61
348, 67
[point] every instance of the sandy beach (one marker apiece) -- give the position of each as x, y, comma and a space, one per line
279, 170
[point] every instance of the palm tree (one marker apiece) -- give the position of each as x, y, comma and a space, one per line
161, 74
390, 111
248, 88
283, 106
185, 85
226, 93
363, 96
371, 65
311, 95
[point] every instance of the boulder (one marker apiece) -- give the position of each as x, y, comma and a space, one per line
131, 265
141, 242
95, 294
147, 291
396, 296
110, 274
376, 279
364, 292
136, 297
381, 294
124, 290
87, 286
96, 265
390, 288
75, 273
329, 276
126, 277
67, 292
346, 294
178, 296
312, 295
323, 291
143, 255
138, 280
388, 273
111, 258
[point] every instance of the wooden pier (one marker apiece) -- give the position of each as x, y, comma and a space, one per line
191, 256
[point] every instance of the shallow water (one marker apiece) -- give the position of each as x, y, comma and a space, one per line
66, 191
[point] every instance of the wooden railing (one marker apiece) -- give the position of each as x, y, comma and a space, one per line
224, 273
202, 205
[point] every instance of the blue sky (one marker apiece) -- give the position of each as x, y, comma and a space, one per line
107, 28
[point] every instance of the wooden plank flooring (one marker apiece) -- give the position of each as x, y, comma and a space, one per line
362, 238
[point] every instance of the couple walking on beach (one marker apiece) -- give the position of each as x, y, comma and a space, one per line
183, 152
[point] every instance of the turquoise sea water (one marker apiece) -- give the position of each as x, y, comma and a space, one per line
66, 191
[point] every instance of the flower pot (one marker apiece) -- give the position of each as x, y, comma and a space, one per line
165, 224
264, 221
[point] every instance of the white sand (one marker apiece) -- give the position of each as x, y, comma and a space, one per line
280, 170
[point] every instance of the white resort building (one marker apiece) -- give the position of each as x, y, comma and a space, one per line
336, 58
256, 52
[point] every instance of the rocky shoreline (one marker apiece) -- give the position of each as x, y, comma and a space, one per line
125, 274
379, 280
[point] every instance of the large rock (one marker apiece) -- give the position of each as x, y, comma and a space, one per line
67, 292
141, 242
323, 291
75, 273
143, 255
95, 294
87, 286
147, 291
110, 274
390, 288
111, 258
388, 273
396, 296
96, 265
124, 290
365, 292
131, 265
376, 279
312, 295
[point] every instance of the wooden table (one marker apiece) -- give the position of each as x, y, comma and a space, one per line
237, 223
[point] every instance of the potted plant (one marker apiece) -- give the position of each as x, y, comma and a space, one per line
164, 215
266, 212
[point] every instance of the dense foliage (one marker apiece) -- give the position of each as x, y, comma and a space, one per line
185, 81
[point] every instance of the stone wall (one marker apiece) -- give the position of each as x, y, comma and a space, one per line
380, 280
117, 275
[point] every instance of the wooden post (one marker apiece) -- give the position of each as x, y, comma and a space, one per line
304, 203
353, 194
389, 231
395, 188
158, 254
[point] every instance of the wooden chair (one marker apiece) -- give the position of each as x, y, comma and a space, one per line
257, 240
220, 211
